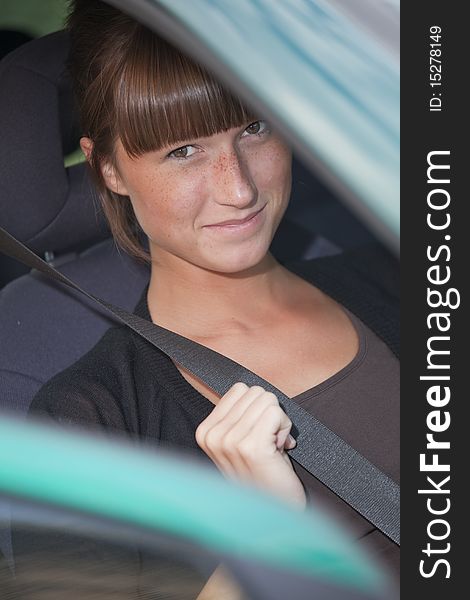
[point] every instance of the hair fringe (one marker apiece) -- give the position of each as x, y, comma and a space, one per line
133, 86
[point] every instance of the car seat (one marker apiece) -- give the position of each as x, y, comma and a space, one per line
45, 327
52, 209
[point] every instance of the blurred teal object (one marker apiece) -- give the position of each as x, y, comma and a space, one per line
116, 480
331, 85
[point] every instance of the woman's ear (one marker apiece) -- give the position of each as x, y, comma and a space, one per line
87, 147
109, 172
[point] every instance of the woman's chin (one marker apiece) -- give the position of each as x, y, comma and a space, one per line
237, 262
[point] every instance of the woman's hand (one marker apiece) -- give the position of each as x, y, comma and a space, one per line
246, 436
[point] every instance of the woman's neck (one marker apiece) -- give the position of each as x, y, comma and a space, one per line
199, 303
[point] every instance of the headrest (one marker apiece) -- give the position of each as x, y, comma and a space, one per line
42, 203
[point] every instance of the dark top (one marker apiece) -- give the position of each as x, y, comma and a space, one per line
126, 384
361, 404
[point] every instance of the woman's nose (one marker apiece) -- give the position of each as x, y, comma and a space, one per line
233, 182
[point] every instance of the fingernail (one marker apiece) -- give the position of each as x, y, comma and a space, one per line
292, 441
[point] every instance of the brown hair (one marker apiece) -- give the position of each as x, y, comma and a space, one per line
132, 85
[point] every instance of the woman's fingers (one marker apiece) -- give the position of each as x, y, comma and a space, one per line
244, 417
228, 437
228, 410
215, 434
235, 419
266, 435
290, 442
246, 435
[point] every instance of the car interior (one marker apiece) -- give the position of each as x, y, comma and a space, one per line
55, 212
52, 208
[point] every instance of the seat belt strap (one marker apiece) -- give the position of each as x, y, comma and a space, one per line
319, 450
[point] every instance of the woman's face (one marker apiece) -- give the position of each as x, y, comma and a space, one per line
214, 202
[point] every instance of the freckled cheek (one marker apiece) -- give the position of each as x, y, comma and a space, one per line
273, 171
167, 207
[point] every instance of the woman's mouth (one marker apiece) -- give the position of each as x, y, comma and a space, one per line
249, 222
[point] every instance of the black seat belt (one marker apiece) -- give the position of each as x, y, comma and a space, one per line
319, 450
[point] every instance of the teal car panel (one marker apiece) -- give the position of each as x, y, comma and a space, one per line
116, 480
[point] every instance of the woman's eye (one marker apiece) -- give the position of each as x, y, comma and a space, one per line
183, 152
256, 128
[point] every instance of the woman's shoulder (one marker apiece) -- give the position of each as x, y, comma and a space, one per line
98, 388
346, 274
366, 281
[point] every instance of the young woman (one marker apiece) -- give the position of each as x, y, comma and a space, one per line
180, 160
